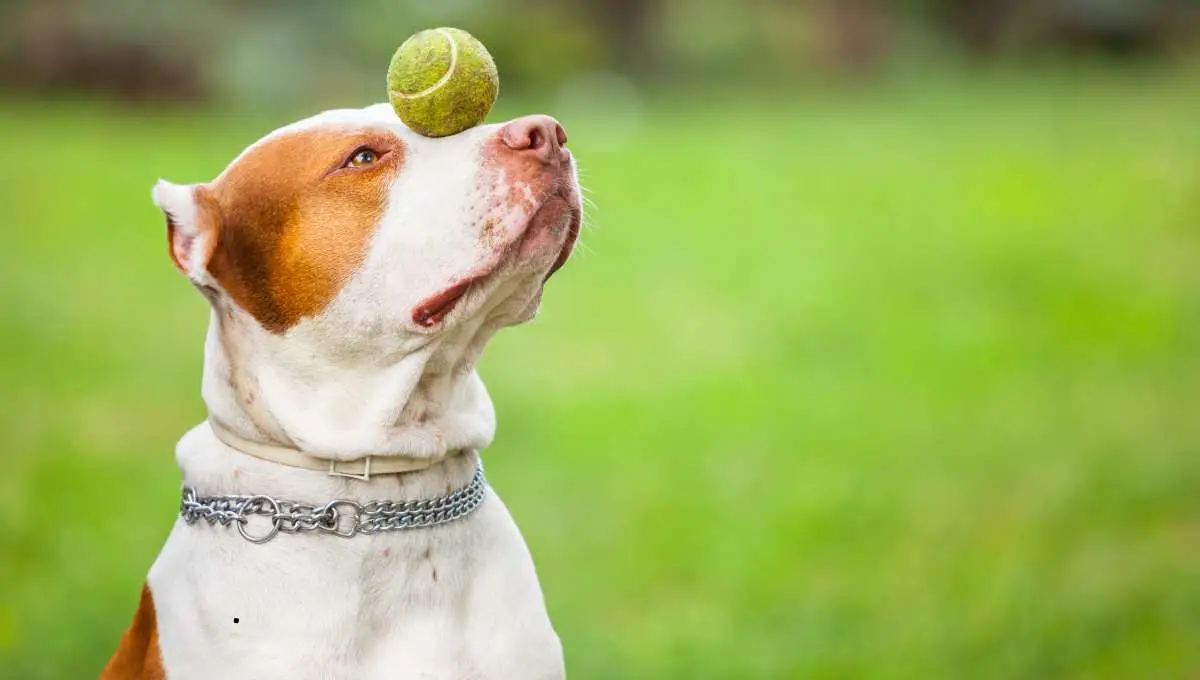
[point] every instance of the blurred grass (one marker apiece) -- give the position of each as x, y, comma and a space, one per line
886, 384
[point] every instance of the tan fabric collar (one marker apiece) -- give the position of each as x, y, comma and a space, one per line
361, 468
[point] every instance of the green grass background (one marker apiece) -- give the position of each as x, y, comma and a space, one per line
894, 383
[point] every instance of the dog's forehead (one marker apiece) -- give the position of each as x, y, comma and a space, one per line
378, 116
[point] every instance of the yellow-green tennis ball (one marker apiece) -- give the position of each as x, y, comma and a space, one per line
442, 81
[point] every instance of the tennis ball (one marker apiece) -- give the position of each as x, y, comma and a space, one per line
442, 81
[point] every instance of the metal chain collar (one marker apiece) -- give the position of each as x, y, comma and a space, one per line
338, 517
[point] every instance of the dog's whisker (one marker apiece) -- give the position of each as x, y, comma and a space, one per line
587, 223
584, 249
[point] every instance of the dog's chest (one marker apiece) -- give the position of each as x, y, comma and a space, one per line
448, 604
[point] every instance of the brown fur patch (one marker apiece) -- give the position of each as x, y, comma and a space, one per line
138, 656
293, 224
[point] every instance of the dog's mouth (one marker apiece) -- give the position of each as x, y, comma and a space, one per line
435, 309
431, 312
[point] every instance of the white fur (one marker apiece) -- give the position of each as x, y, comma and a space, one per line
359, 378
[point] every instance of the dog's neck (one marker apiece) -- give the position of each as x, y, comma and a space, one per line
419, 398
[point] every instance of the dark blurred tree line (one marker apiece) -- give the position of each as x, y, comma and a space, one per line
287, 49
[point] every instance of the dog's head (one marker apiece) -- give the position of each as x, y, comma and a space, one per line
339, 247
350, 213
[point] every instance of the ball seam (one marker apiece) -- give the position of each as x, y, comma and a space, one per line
445, 78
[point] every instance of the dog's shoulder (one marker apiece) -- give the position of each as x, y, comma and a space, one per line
138, 656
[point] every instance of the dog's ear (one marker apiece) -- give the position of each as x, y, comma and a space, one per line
191, 236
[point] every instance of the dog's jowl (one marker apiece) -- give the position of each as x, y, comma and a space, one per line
335, 520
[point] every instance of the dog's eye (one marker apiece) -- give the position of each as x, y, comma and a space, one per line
362, 157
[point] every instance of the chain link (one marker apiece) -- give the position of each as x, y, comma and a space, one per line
338, 517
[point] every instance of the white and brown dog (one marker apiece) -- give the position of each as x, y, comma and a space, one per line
355, 271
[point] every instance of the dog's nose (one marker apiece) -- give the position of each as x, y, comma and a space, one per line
539, 135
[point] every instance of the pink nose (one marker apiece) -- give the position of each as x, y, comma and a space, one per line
541, 136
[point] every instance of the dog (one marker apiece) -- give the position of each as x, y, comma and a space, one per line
335, 523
